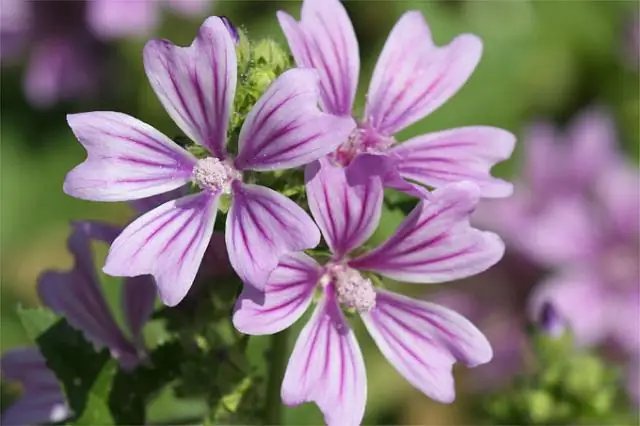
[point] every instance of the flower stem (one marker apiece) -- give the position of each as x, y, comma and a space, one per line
277, 367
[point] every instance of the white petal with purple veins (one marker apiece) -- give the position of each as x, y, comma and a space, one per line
466, 153
286, 297
423, 341
196, 84
413, 77
324, 39
346, 214
285, 128
126, 159
168, 243
435, 243
326, 367
262, 225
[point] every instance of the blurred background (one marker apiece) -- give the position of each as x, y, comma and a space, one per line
561, 75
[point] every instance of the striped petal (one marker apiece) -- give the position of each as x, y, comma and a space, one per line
435, 243
138, 300
168, 242
413, 77
346, 213
326, 367
285, 128
262, 225
450, 156
286, 297
324, 39
77, 296
126, 159
196, 84
42, 400
423, 341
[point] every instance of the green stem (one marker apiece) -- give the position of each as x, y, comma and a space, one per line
277, 365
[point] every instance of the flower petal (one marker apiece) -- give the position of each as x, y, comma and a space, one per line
196, 84
579, 299
286, 129
326, 367
262, 225
110, 19
324, 39
466, 153
138, 300
42, 400
77, 296
413, 77
286, 297
126, 159
346, 214
168, 243
435, 243
423, 341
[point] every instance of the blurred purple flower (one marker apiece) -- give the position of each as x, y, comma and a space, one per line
412, 78
42, 400
126, 18
77, 295
422, 340
550, 321
577, 212
128, 160
65, 60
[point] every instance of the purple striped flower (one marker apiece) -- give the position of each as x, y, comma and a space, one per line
125, 18
42, 400
65, 61
128, 160
77, 295
412, 78
434, 244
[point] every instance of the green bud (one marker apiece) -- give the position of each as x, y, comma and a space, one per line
269, 53
540, 406
261, 79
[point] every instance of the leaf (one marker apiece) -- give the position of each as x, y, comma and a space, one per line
85, 375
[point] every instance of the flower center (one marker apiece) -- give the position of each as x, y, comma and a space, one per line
362, 139
352, 289
214, 175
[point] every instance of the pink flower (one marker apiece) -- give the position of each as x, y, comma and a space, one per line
77, 295
123, 18
128, 160
434, 244
42, 400
412, 78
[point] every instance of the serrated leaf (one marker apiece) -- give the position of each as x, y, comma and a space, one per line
79, 368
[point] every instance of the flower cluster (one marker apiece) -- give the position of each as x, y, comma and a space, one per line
301, 129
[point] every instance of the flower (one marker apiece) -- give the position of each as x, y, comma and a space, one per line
576, 213
65, 60
76, 294
412, 78
434, 244
128, 159
42, 400
124, 18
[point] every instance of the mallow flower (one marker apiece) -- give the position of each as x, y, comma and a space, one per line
422, 340
76, 294
124, 18
42, 400
412, 78
128, 160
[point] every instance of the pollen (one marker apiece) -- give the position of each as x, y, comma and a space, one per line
352, 289
214, 175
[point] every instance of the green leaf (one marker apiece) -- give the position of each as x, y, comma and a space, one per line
85, 375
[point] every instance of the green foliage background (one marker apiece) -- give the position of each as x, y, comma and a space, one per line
542, 60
